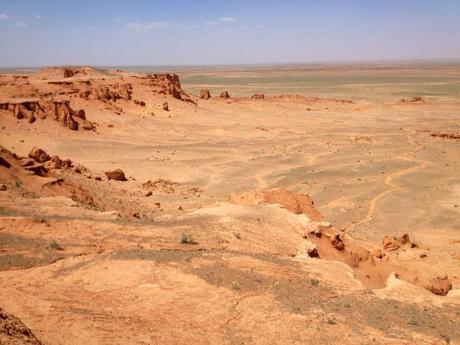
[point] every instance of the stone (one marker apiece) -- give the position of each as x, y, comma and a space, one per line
225, 95
439, 285
205, 94
390, 243
117, 175
39, 155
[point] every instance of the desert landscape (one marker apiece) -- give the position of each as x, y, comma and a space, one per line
272, 205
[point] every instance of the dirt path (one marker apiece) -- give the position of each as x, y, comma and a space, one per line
389, 180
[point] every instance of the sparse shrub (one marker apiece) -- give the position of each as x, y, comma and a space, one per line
314, 282
187, 239
55, 246
369, 291
236, 286
446, 338
413, 322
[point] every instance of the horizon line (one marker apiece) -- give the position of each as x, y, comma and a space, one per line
258, 64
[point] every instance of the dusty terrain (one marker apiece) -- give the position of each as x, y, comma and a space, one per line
136, 210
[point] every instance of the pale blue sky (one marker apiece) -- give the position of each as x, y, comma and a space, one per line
180, 32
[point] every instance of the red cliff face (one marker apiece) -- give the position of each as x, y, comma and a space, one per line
57, 110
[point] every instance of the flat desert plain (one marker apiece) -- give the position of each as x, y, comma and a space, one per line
306, 205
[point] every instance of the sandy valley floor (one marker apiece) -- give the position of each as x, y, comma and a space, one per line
211, 239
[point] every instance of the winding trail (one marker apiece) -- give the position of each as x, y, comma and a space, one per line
389, 180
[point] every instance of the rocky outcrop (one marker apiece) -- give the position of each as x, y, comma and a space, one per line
293, 202
57, 110
14, 331
413, 100
58, 163
225, 95
169, 84
39, 155
109, 93
60, 72
38, 169
452, 136
32, 170
439, 285
205, 94
164, 187
258, 96
141, 103
394, 243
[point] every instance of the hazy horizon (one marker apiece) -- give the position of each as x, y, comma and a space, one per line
237, 32
280, 65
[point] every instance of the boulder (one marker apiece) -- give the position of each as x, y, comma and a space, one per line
258, 96
117, 175
39, 170
377, 252
165, 106
39, 155
337, 242
404, 239
439, 285
4, 163
59, 163
393, 243
313, 252
205, 94
390, 243
225, 95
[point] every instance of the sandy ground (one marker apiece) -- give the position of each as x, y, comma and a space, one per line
174, 260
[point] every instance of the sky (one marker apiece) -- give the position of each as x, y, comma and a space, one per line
213, 32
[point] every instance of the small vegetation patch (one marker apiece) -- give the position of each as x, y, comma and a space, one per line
314, 282
413, 322
186, 238
55, 246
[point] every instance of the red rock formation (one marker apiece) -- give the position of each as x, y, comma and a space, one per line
439, 285
39, 155
453, 136
205, 94
169, 84
393, 243
58, 110
294, 202
258, 96
117, 175
14, 331
225, 95
108, 93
